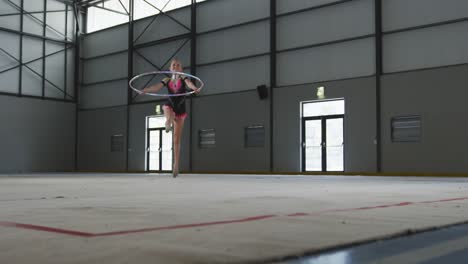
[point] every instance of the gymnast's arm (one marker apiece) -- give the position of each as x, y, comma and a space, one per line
191, 85
153, 88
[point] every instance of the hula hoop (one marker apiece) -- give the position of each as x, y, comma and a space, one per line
165, 72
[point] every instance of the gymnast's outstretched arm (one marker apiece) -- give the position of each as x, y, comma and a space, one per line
153, 88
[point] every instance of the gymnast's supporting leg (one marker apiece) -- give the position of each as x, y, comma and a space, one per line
178, 127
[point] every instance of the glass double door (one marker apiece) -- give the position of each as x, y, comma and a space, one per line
159, 150
323, 143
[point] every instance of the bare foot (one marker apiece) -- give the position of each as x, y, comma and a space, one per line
168, 126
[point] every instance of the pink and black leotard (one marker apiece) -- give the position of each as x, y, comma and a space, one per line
176, 103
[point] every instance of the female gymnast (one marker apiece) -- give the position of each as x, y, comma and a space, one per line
174, 108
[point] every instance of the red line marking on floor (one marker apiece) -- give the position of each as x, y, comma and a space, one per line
242, 220
297, 214
377, 207
46, 229
249, 219
445, 200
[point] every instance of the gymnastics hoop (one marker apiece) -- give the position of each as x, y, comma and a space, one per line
130, 83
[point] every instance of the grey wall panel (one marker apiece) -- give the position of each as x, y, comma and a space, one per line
332, 62
360, 123
11, 22
229, 115
233, 43
31, 82
55, 74
7, 62
36, 66
137, 140
33, 23
160, 54
221, 13
34, 5
10, 43
39, 137
104, 95
51, 91
351, 19
163, 26
106, 68
104, 42
52, 47
294, 5
430, 47
9, 81
71, 25
32, 48
56, 23
439, 97
55, 5
7, 8
71, 71
234, 76
95, 129
81, 21
398, 14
